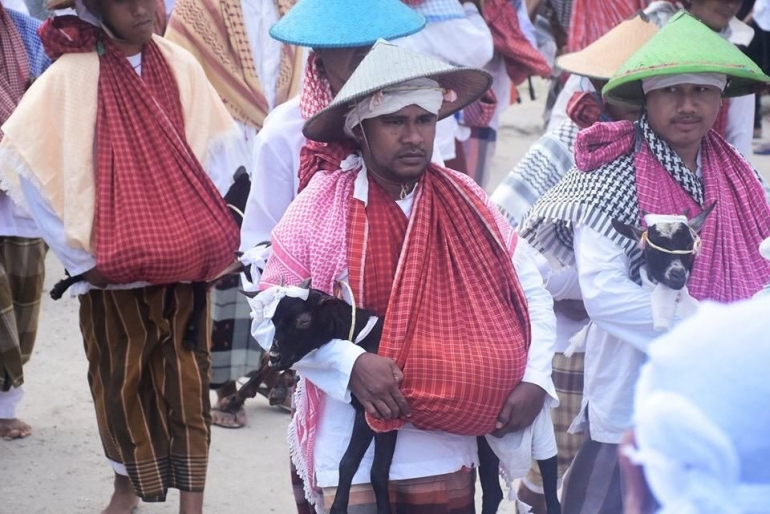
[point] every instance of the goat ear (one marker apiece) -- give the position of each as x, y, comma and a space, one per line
280, 284
697, 222
250, 294
305, 284
628, 231
686, 212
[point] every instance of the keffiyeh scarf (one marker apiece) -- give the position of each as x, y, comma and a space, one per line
623, 169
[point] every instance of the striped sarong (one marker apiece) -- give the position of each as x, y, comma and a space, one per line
452, 493
22, 271
151, 394
593, 484
234, 351
567, 377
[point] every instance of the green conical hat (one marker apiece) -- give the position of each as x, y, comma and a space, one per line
684, 45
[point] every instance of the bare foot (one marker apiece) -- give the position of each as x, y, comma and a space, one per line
123, 500
15, 428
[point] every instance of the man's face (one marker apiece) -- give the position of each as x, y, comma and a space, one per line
129, 20
399, 146
340, 63
683, 114
716, 14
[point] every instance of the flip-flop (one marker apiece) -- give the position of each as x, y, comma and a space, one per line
238, 419
762, 149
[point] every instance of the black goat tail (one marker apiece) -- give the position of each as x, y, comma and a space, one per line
58, 290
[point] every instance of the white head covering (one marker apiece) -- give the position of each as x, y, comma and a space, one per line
702, 413
717, 80
423, 92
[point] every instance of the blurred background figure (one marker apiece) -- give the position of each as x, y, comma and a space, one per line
699, 444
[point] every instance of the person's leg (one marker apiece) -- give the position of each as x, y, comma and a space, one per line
592, 485
123, 500
186, 393
10, 426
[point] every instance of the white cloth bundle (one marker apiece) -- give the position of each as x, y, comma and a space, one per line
701, 416
668, 305
263, 309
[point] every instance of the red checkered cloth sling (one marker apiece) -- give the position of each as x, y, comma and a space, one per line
317, 95
457, 321
159, 218
520, 57
591, 19
14, 67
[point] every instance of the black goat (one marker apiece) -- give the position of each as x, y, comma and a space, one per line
302, 326
669, 248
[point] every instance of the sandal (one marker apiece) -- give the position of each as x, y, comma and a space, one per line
225, 419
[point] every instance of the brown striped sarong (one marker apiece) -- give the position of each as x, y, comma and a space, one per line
22, 271
151, 394
567, 377
452, 493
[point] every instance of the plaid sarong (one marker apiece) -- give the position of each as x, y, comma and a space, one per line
452, 493
150, 392
159, 218
22, 271
234, 351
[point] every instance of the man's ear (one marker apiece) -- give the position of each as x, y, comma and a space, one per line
358, 134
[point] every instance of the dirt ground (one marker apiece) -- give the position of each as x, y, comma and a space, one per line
61, 469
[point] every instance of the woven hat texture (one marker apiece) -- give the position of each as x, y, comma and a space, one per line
684, 45
602, 58
386, 65
346, 23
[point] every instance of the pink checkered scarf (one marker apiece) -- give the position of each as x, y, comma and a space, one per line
315, 238
159, 218
14, 67
729, 266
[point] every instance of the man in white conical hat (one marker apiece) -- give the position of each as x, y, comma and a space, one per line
467, 339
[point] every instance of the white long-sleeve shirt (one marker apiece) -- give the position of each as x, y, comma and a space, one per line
620, 332
419, 453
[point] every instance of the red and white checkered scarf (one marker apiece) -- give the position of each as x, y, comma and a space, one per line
14, 67
457, 321
520, 57
316, 95
729, 266
159, 218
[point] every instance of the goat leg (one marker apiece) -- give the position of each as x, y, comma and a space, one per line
489, 476
549, 472
360, 440
384, 447
235, 401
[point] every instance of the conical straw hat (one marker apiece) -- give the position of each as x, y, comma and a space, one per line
684, 45
346, 23
602, 58
386, 65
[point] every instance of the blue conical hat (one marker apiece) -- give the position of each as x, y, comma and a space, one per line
346, 23
684, 45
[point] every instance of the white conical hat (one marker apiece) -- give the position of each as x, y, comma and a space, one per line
386, 65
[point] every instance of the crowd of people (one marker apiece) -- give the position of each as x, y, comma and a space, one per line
173, 154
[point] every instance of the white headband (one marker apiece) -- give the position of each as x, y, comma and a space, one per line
717, 80
699, 413
422, 92
263, 309
654, 219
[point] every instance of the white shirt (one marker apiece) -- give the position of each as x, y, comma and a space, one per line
461, 42
418, 453
620, 332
